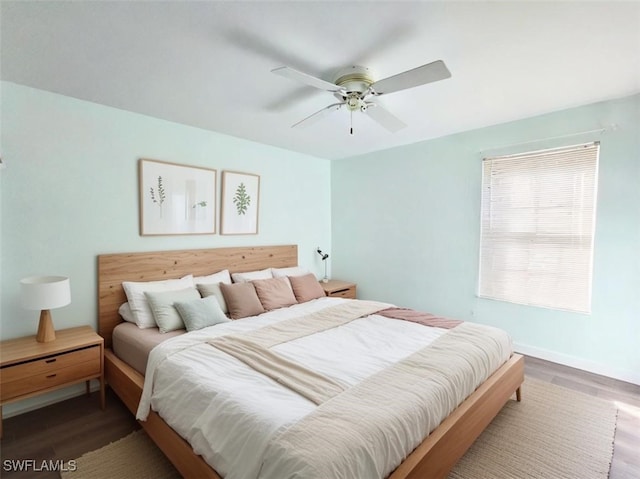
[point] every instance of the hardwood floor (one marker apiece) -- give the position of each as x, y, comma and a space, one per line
68, 429
63, 431
626, 452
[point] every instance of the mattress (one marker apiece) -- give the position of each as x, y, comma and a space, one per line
235, 417
133, 344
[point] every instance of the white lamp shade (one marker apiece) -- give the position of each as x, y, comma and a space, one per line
45, 292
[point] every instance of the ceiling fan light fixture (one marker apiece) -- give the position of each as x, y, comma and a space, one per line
354, 79
354, 102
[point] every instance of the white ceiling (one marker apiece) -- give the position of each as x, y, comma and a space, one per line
207, 64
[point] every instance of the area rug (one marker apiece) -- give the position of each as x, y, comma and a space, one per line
554, 433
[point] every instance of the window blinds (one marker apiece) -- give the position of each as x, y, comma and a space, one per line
538, 219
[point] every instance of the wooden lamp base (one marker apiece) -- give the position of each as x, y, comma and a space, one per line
46, 332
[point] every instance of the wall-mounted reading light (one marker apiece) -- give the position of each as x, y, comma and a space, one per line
324, 257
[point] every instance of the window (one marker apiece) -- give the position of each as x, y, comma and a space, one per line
538, 219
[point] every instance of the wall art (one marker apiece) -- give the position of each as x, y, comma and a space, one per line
176, 199
240, 201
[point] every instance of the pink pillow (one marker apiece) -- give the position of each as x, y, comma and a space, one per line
306, 287
274, 293
242, 300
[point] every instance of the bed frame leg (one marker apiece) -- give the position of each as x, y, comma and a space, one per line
519, 394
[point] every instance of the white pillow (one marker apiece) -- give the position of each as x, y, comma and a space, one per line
138, 302
251, 275
126, 313
215, 278
293, 271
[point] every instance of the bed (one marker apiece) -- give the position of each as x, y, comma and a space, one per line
434, 457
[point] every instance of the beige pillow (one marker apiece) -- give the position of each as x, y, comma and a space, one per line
306, 287
242, 300
274, 293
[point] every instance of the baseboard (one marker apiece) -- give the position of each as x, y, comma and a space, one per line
578, 363
37, 402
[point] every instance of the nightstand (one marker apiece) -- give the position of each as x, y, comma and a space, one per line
339, 289
29, 368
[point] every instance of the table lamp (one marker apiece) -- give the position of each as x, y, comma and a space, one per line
44, 293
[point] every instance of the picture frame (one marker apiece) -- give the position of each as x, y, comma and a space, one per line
176, 199
240, 203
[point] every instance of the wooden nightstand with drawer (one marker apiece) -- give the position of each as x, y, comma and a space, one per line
339, 289
29, 368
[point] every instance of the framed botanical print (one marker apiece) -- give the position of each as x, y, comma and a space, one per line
240, 201
176, 199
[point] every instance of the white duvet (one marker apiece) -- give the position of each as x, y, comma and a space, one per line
229, 413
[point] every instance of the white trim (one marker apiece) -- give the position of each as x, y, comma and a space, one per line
579, 363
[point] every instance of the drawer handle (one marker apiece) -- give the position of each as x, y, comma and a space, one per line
341, 291
53, 360
51, 376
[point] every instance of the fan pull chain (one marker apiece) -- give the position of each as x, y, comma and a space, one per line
351, 129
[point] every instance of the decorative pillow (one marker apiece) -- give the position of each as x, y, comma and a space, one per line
274, 293
200, 313
162, 306
251, 275
126, 313
138, 301
306, 287
242, 300
293, 271
215, 278
212, 289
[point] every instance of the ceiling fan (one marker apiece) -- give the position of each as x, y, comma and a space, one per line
355, 89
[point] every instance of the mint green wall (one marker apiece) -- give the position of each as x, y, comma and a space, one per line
70, 192
406, 222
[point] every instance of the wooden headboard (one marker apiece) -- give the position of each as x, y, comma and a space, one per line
113, 269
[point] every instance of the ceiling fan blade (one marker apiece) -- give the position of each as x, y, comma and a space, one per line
428, 73
305, 78
384, 117
311, 119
